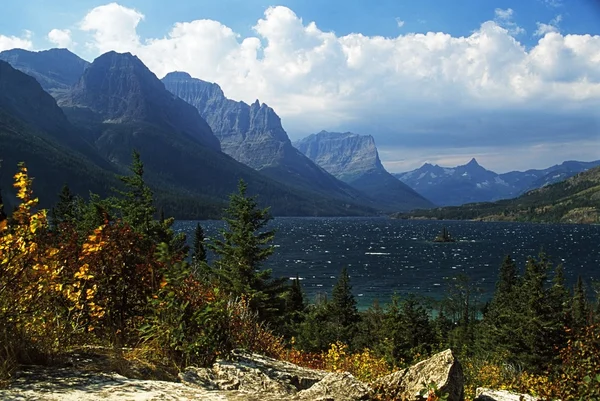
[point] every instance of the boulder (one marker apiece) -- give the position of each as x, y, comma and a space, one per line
253, 373
337, 387
486, 394
443, 369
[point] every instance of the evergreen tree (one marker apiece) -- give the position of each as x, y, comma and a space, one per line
244, 246
199, 253
65, 210
344, 313
135, 205
579, 306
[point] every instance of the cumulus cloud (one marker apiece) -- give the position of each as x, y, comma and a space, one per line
552, 26
11, 42
504, 18
61, 38
417, 88
400, 22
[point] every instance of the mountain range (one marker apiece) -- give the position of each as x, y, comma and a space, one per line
574, 200
117, 104
354, 159
253, 135
451, 186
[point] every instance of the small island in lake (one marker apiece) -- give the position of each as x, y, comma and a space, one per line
444, 236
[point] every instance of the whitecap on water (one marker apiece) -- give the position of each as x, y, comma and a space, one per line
376, 253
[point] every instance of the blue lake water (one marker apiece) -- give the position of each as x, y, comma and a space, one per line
386, 256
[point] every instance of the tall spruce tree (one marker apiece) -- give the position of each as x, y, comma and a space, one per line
245, 245
579, 306
344, 313
65, 210
199, 252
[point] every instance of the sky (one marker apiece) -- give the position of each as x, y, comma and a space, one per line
515, 84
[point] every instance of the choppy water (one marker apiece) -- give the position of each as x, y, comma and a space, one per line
385, 256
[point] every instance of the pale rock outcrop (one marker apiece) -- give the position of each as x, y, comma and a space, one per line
486, 394
443, 369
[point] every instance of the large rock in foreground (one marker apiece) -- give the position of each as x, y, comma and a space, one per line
244, 377
443, 369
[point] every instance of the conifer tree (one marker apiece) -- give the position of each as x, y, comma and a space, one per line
65, 209
344, 313
199, 253
245, 245
579, 306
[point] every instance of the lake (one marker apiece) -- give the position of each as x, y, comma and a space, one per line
386, 256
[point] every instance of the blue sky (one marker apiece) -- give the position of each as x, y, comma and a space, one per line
514, 83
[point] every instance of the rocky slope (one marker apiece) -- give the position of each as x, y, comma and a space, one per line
55, 69
452, 186
354, 159
253, 135
244, 377
575, 200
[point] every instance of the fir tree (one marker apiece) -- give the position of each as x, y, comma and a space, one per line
65, 210
245, 245
199, 253
579, 306
344, 313
136, 203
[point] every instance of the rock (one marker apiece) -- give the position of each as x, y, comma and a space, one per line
337, 387
486, 394
253, 373
443, 369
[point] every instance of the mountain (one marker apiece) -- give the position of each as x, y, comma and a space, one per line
120, 105
33, 129
354, 159
575, 200
253, 135
55, 69
457, 185
532, 179
469, 183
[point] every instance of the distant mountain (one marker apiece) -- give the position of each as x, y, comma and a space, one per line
253, 135
354, 159
55, 69
575, 200
33, 129
120, 105
469, 183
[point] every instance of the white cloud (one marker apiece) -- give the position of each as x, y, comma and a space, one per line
552, 26
400, 22
113, 27
416, 87
504, 18
61, 38
12, 42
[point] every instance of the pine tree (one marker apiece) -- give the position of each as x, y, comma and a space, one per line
579, 306
199, 253
65, 210
344, 313
136, 203
245, 245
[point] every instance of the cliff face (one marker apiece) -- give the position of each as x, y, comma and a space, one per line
253, 135
354, 159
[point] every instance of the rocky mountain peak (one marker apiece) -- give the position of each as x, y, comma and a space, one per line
120, 88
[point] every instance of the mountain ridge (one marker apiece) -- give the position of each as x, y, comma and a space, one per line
354, 159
